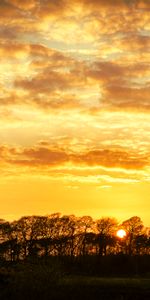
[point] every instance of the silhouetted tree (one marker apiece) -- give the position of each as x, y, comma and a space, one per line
106, 228
9, 246
85, 226
70, 236
133, 227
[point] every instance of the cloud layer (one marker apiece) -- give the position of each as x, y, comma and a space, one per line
76, 74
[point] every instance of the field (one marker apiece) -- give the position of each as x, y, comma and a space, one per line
44, 281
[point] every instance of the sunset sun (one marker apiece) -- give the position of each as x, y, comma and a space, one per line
121, 233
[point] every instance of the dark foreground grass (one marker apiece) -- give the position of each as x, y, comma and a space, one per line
108, 288
25, 281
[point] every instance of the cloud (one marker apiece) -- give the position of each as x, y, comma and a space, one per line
143, 4
23, 5
105, 4
117, 72
33, 16
37, 53
44, 82
51, 89
106, 71
34, 156
134, 42
100, 168
55, 80
124, 97
108, 54
45, 156
110, 158
86, 56
123, 86
41, 155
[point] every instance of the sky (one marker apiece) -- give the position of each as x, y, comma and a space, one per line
75, 108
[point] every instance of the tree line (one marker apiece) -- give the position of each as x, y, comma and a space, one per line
71, 236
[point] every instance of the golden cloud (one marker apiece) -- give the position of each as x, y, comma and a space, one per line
44, 155
98, 63
128, 97
110, 158
23, 5
41, 71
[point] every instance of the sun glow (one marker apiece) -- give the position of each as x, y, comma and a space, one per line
121, 233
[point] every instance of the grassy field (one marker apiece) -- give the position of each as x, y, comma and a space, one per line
38, 281
107, 288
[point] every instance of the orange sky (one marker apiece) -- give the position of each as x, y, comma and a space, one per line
75, 108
